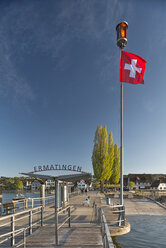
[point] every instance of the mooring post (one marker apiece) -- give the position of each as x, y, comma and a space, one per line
42, 194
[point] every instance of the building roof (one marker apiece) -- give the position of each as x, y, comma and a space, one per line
156, 183
66, 178
145, 178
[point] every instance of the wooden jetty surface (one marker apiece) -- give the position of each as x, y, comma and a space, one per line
84, 232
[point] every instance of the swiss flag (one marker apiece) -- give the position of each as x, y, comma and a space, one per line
132, 68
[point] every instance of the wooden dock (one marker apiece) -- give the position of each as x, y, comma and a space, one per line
68, 237
85, 231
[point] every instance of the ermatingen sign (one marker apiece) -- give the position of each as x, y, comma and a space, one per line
57, 167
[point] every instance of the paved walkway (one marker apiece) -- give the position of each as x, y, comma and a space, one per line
143, 207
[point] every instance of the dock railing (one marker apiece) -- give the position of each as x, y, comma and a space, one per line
120, 211
57, 226
10, 226
33, 202
107, 240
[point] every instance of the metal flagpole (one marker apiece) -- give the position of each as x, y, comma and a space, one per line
121, 29
121, 148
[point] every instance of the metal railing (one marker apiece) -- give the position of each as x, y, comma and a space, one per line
57, 226
25, 203
107, 240
34, 202
10, 226
20, 243
120, 211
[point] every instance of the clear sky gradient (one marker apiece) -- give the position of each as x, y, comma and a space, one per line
59, 80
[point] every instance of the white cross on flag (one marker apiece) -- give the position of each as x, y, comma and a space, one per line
132, 68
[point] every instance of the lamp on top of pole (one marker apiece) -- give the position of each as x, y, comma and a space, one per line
121, 29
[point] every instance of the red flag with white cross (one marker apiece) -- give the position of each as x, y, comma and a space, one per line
132, 68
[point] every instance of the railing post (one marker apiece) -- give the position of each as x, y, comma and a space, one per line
30, 222
26, 203
13, 230
99, 215
32, 202
56, 227
42, 210
121, 218
24, 238
69, 215
124, 217
95, 210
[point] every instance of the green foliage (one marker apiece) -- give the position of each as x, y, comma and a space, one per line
116, 165
12, 183
100, 154
131, 184
18, 184
105, 157
110, 155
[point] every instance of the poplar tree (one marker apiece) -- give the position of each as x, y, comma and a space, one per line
110, 155
116, 166
100, 156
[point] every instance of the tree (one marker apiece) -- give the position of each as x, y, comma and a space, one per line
101, 155
18, 184
110, 154
116, 166
131, 185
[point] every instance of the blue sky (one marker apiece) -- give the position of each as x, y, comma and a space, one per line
59, 79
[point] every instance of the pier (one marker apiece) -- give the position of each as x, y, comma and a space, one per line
85, 230
76, 225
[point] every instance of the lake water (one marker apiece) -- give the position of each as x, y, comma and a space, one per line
7, 197
146, 231
34, 200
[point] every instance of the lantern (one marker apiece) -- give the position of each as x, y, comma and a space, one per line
121, 29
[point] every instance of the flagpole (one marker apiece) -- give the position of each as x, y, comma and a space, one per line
121, 147
121, 29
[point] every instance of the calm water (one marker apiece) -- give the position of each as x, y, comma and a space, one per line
7, 197
146, 231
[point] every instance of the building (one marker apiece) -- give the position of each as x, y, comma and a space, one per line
142, 181
35, 185
159, 184
50, 183
27, 184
